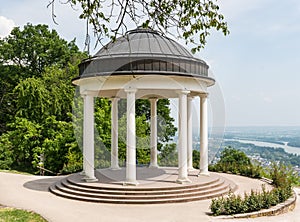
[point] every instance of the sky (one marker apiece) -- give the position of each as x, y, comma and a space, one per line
256, 67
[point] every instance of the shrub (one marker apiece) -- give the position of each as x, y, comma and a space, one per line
283, 179
255, 201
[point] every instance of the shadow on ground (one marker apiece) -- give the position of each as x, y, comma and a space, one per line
41, 184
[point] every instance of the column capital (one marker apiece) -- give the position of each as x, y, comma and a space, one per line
88, 93
184, 92
203, 95
153, 98
130, 90
114, 98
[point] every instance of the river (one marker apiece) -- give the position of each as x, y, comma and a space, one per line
288, 149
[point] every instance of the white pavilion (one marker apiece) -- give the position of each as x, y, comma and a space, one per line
143, 64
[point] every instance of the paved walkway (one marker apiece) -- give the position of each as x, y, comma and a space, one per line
31, 193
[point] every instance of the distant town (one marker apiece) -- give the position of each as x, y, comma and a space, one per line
264, 145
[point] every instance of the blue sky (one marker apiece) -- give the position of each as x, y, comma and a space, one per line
256, 66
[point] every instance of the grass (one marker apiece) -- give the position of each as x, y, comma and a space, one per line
15, 215
15, 171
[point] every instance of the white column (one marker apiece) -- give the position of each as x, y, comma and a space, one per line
203, 136
131, 139
190, 134
88, 138
83, 140
114, 134
182, 142
153, 133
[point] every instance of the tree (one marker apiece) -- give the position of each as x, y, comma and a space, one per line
27, 53
168, 155
233, 156
34, 48
191, 20
237, 162
196, 159
36, 68
43, 125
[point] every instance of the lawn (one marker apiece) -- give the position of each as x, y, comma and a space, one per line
10, 214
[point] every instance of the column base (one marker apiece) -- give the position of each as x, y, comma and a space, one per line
191, 169
115, 168
130, 183
153, 166
82, 173
183, 181
90, 179
204, 173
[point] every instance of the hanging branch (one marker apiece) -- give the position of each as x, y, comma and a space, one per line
186, 19
52, 4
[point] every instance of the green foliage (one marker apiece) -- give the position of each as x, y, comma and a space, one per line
230, 156
283, 175
166, 130
165, 123
168, 155
27, 141
9, 214
142, 140
51, 94
28, 53
36, 100
20, 141
236, 162
6, 153
193, 20
35, 48
255, 201
196, 159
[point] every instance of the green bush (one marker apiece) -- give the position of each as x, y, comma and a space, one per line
255, 201
236, 162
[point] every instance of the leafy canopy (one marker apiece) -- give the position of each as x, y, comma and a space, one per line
26, 53
233, 156
191, 20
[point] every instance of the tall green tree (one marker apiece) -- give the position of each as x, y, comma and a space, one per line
43, 124
36, 68
27, 53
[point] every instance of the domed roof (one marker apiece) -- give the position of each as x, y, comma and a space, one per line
143, 51
144, 41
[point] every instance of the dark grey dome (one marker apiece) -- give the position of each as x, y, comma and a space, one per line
144, 42
143, 51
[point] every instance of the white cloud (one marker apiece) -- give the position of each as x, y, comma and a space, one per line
6, 25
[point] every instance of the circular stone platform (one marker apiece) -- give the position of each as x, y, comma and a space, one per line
155, 186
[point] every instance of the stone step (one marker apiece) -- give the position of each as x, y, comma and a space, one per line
145, 196
149, 191
162, 200
103, 193
122, 188
158, 189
